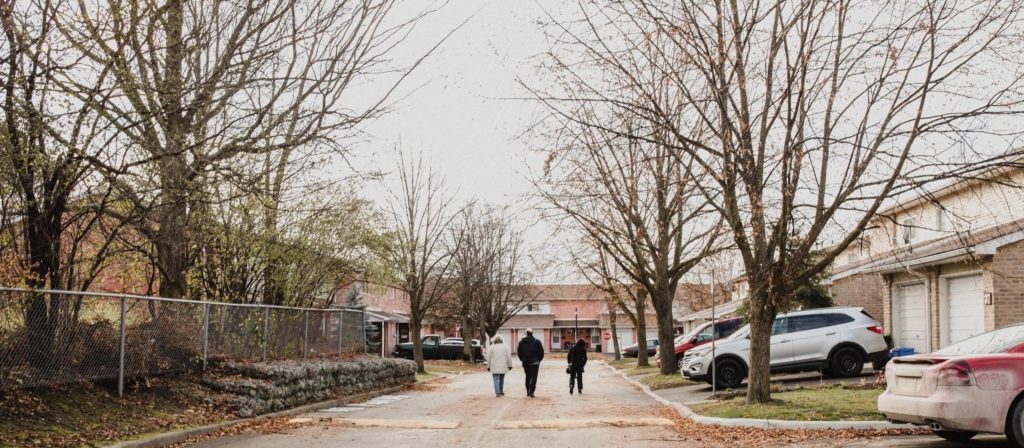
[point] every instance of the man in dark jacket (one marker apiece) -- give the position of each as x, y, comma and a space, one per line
577, 359
531, 353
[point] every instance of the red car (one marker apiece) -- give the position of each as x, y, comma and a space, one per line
702, 335
973, 386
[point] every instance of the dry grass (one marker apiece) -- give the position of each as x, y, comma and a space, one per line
829, 403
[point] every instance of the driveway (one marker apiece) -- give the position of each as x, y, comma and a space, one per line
465, 412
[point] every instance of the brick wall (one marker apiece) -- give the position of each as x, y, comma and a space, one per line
863, 290
1008, 285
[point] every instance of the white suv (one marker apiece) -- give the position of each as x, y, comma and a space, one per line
839, 340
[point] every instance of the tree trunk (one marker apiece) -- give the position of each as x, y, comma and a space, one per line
641, 329
171, 246
415, 328
762, 316
467, 340
615, 336
171, 236
662, 301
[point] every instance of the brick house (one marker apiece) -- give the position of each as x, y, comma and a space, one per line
941, 267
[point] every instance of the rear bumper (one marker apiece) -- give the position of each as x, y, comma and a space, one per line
958, 408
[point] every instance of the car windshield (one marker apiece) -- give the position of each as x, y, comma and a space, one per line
741, 333
996, 341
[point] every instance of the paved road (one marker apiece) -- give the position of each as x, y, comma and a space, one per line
463, 412
553, 418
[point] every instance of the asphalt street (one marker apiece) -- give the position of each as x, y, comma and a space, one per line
462, 411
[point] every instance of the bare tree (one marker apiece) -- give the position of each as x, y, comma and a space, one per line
195, 85
421, 215
806, 116
644, 209
56, 207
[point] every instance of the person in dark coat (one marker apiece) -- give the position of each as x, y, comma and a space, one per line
531, 353
577, 359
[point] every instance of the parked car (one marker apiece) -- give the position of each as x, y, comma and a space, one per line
973, 386
837, 340
703, 334
435, 348
632, 352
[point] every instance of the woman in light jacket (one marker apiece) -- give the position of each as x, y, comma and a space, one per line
499, 362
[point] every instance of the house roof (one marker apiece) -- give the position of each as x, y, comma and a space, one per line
958, 247
720, 311
566, 292
530, 321
960, 184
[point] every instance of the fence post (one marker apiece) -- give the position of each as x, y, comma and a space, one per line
341, 317
120, 368
206, 332
266, 331
305, 333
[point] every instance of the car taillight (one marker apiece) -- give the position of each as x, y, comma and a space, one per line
876, 329
956, 373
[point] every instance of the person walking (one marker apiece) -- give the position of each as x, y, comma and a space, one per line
577, 359
531, 353
499, 362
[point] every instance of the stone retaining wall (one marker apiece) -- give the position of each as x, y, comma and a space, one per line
273, 386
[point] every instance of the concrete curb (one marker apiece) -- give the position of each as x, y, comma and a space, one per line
171, 438
688, 413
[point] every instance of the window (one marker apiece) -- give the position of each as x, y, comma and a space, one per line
779, 327
704, 335
908, 232
556, 339
530, 307
943, 223
839, 319
807, 322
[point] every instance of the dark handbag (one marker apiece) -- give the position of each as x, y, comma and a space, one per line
568, 370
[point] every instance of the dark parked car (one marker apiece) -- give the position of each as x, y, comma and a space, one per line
632, 352
435, 348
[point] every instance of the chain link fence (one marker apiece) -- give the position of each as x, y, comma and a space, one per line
56, 337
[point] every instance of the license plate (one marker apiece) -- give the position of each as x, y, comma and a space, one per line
907, 384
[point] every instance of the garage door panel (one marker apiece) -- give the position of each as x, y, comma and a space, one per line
912, 317
965, 308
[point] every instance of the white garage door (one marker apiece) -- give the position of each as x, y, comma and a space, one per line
912, 317
506, 335
539, 335
965, 308
625, 338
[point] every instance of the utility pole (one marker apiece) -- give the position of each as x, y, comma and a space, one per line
576, 328
714, 370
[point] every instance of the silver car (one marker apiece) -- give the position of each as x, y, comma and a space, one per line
837, 340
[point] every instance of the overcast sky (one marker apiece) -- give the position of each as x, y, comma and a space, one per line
462, 110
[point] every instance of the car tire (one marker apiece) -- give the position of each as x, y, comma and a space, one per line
956, 436
846, 362
405, 355
728, 374
1015, 425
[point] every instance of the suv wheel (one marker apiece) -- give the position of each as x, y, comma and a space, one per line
728, 374
1015, 425
846, 362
